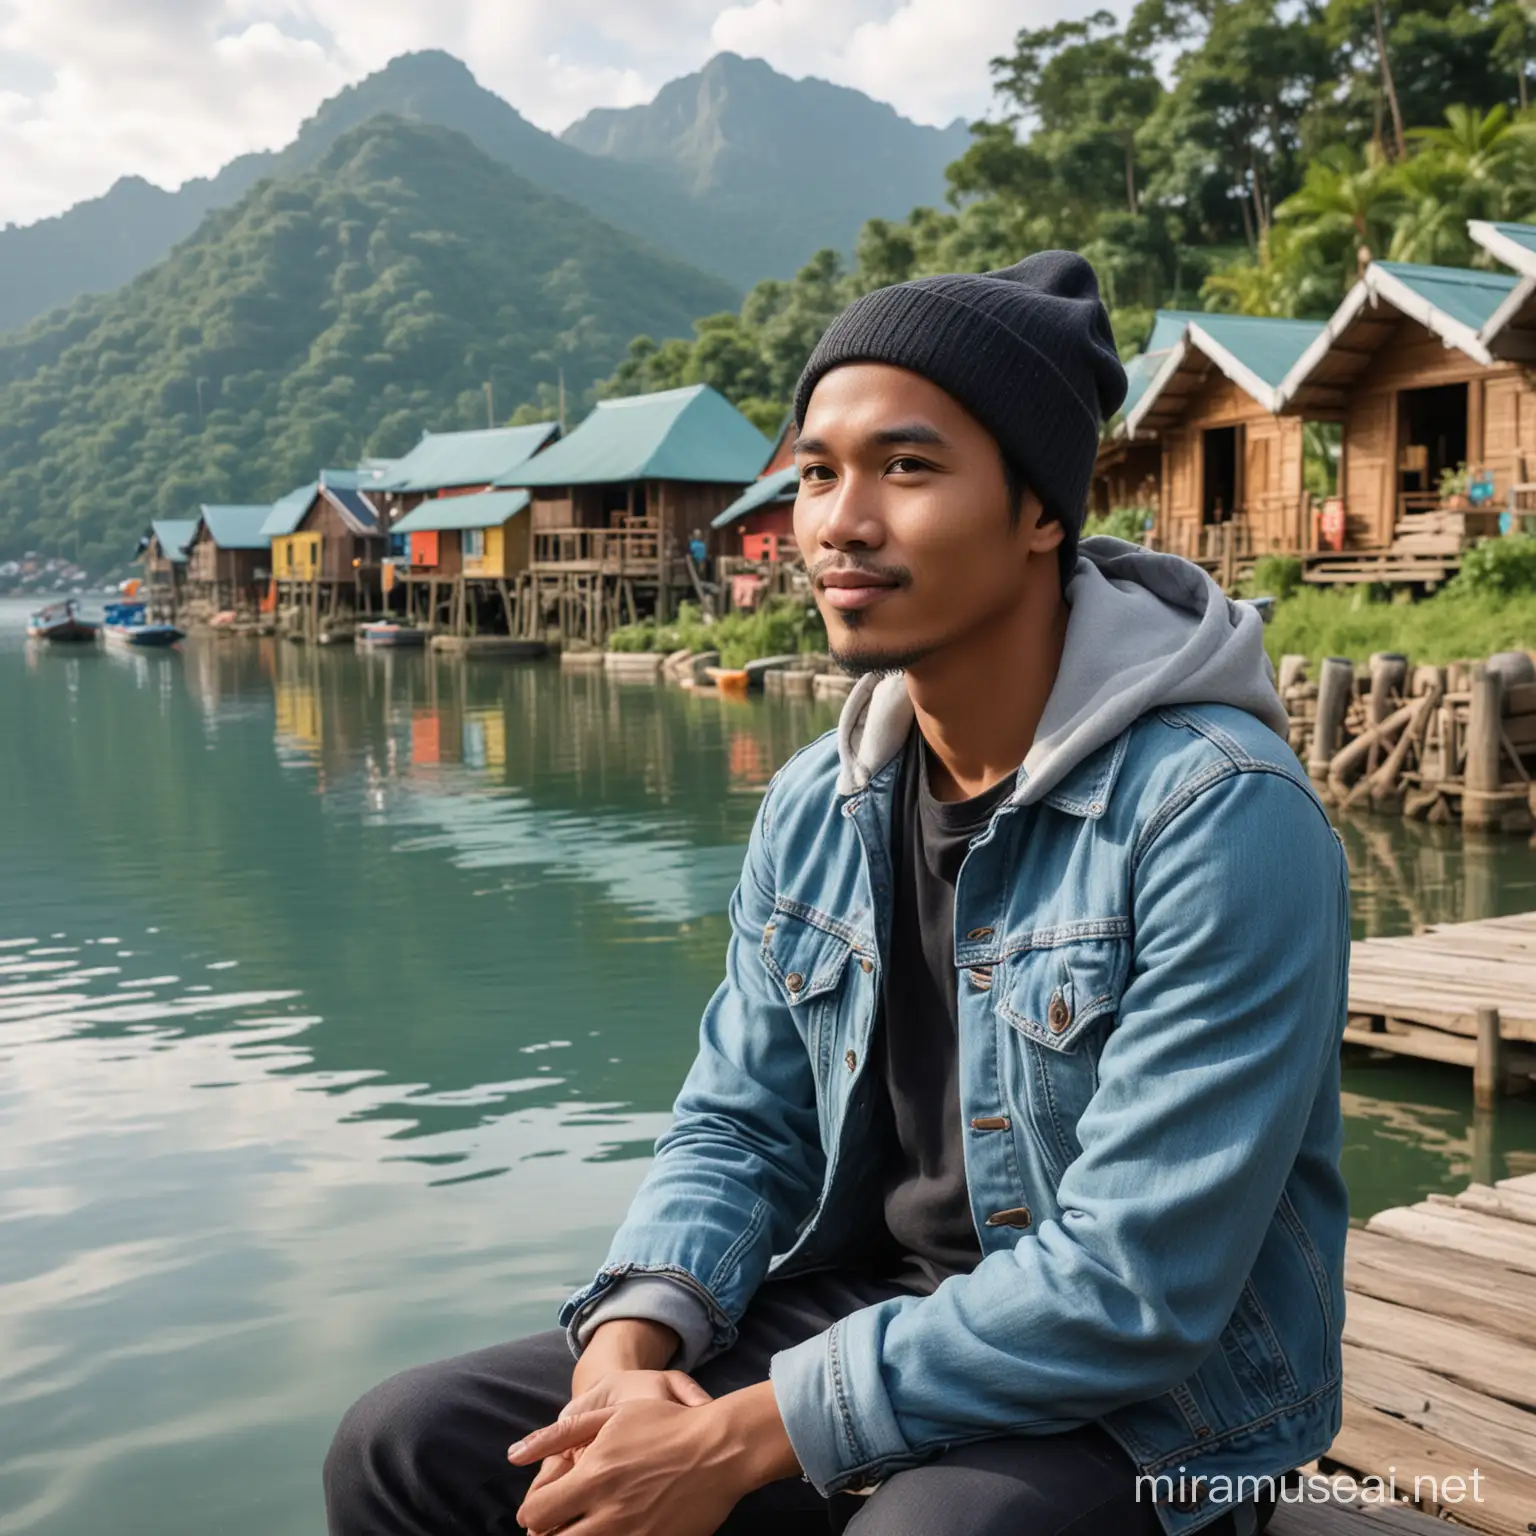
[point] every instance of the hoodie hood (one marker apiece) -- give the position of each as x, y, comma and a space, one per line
1145, 630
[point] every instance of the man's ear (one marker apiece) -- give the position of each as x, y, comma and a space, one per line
1041, 533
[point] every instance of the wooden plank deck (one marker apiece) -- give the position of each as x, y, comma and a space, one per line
1419, 995
1439, 1368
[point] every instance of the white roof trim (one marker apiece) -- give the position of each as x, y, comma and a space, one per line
1159, 381
1521, 258
1379, 286
1240, 373
1519, 297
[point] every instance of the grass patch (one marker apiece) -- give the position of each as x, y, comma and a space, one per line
1454, 625
780, 627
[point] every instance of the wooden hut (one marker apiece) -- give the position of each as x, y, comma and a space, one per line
165, 562
469, 553
1422, 396
763, 518
457, 464
328, 547
617, 502
229, 557
1230, 483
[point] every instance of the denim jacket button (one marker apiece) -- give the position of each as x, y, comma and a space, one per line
1058, 1015
794, 981
980, 933
865, 963
850, 1060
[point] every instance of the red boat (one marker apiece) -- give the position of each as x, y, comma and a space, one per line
61, 622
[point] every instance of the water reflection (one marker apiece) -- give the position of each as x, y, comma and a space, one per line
340, 1000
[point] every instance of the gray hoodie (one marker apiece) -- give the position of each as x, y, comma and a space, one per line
1145, 630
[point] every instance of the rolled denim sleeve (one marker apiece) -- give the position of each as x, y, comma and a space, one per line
742, 1164
1226, 1044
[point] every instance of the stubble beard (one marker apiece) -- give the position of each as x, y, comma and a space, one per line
861, 663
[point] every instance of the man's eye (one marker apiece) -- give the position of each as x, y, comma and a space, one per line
907, 465
815, 472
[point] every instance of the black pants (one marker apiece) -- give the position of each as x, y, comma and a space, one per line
424, 1453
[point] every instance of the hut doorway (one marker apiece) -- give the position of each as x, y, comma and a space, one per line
1219, 481
1431, 438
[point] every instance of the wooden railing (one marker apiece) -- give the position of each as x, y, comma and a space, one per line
598, 548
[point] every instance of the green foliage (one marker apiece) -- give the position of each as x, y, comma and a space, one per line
1128, 523
319, 319
1453, 482
1318, 622
1497, 568
780, 627
1277, 576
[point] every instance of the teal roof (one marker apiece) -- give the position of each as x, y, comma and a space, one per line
237, 527
679, 434
781, 485
442, 460
173, 534
1140, 372
287, 512
1266, 347
1168, 328
1464, 294
487, 509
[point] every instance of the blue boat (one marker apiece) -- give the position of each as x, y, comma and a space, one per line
129, 624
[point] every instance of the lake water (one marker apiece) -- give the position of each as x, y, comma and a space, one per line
340, 1001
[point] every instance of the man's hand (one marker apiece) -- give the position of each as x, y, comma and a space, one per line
654, 1468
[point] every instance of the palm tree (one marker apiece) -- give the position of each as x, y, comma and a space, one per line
1347, 200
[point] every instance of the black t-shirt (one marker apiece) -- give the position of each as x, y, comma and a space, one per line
927, 1207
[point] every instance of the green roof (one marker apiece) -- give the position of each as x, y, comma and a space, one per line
287, 512
1140, 372
237, 527
781, 485
1464, 294
173, 534
1168, 328
679, 434
1266, 347
442, 460
487, 509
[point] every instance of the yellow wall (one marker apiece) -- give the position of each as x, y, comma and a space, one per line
296, 556
506, 550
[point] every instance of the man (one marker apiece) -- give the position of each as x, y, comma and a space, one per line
1005, 1181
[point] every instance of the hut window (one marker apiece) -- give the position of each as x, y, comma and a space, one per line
474, 543
1219, 500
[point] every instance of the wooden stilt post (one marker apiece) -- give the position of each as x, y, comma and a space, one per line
1389, 681
1479, 803
1335, 688
1487, 1068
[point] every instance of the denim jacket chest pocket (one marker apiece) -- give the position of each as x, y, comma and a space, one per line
810, 966
1059, 995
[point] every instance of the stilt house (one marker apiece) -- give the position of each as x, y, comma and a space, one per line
617, 502
1437, 426
474, 551
1230, 483
328, 547
229, 557
458, 464
165, 561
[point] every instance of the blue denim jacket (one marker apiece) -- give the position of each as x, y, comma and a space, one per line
1152, 971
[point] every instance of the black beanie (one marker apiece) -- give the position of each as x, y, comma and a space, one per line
1028, 351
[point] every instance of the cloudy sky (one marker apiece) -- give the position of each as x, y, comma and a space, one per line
94, 89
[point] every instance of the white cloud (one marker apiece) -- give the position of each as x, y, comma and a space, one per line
91, 90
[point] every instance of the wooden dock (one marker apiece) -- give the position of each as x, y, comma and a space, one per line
1439, 1368
1429, 994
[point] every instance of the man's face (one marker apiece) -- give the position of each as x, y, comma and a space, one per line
904, 519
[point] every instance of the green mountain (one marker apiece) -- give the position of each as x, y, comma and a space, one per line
333, 314
797, 164
731, 225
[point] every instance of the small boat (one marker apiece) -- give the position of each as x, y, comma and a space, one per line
387, 632
129, 624
731, 681
60, 622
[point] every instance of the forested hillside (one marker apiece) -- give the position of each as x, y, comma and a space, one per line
320, 319
1282, 149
